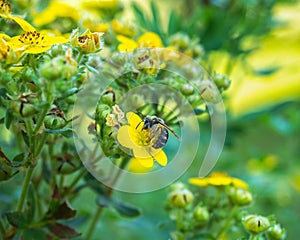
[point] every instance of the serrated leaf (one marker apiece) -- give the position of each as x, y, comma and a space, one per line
18, 219
103, 201
125, 209
63, 231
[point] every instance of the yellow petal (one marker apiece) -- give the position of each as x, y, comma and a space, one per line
202, 182
36, 50
50, 40
150, 40
134, 120
161, 158
142, 152
239, 183
126, 44
123, 137
146, 162
23, 24
135, 165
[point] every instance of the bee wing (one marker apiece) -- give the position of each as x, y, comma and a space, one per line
170, 129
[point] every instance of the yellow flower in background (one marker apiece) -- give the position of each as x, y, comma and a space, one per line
100, 4
6, 52
124, 29
88, 42
6, 13
94, 26
147, 40
35, 42
278, 50
218, 179
56, 10
132, 137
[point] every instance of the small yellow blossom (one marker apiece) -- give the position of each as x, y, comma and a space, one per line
35, 42
6, 13
6, 52
133, 137
218, 179
94, 26
88, 42
123, 29
100, 4
147, 40
56, 10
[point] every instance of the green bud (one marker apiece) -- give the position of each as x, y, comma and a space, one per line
187, 89
177, 186
119, 58
181, 198
201, 215
256, 224
108, 98
221, 81
209, 92
180, 40
276, 232
239, 196
54, 122
198, 51
21, 109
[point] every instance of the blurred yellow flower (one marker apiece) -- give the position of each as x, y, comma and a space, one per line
124, 29
147, 40
6, 52
6, 13
35, 42
94, 26
136, 139
218, 179
56, 10
100, 4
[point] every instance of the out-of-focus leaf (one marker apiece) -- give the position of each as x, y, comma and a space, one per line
93, 184
8, 118
19, 158
66, 132
63, 231
156, 20
139, 13
31, 201
125, 209
103, 201
19, 219
34, 234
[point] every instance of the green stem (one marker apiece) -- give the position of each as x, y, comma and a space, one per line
25, 188
2, 228
79, 57
41, 120
252, 237
74, 182
94, 222
40, 146
227, 222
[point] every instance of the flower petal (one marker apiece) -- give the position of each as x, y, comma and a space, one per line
135, 165
146, 162
124, 137
23, 24
201, 182
126, 44
161, 158
134, 120
142, 152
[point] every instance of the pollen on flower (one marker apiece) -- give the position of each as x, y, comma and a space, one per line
5, 7
31, 38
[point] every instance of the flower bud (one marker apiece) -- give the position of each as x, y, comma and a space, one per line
256, 224
198, 51
187, 89
201, 215
54, 122
181, 198
176, 186
239, 196
87, 42
21, 109
276, 232
209, 92
221, 81
180, 40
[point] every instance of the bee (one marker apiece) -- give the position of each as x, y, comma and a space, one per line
158, 131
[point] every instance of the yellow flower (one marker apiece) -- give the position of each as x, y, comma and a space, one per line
133, 137
88, 42
100, 4
35, 42
123, 29
218, 179
7, 53
56, 10
94, 26
147, 40
5, 12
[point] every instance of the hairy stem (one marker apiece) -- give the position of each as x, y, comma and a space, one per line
25, 188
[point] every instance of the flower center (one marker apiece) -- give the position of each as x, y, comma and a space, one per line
31, 38
83, 39
144, 138
5, 7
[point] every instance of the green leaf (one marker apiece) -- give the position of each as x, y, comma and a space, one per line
156, 19
139, 13
125, 209
63, 231
34, 234
19, 158
19, 219
66, 132
103, 201
8, 118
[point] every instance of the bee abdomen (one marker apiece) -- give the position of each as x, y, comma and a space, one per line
161, 140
